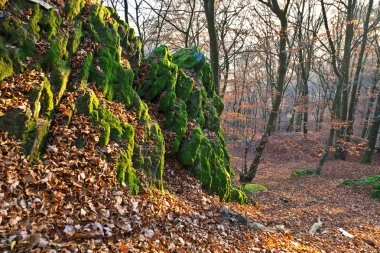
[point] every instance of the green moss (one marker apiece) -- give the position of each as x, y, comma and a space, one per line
124, 170
101, 29
38, 135
116, 130
221, 181
167, 101
155, 155
85, 71
51, 23
176, 121
212, 121
125, 173
218, 103
189, 58
47, 99
302, 172
59, 78
105, 136
75, 38
254, 188
56, 54
184, 86
6, 67
15, 33
73, 8
114, 81
373, 180
87, 102
194, 105
35, 101
203, 167
189, 150
141, 109
238, 195
15, 121
163, 76
207, 79
33, 21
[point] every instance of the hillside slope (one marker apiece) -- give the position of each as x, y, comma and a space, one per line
81, 60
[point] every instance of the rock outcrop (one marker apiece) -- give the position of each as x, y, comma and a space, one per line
82, 60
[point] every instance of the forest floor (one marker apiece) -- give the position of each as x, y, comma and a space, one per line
297, 202
52, 207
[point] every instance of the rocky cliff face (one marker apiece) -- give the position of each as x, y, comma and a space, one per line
75, 91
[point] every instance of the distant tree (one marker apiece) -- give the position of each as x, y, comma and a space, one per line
281, 14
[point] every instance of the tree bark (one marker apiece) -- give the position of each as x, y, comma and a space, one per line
209, 6
358, 72
372, 134
282, 69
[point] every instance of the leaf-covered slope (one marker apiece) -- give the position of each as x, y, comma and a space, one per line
81, 60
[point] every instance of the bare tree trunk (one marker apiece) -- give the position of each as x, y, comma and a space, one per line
370, 104
282, 69
372, 134
341, 152
358, 72
337, 108
214, 49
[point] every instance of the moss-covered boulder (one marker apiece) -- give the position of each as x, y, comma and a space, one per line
182, 88
96, 73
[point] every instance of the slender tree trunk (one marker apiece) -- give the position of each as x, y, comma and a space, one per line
358, 72
126, 11
372, 134
370, 105
209, 6
282, 69
341, 152
336, 112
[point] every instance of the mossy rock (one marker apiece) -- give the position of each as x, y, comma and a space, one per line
184, 86
34, 28
126, 174
15, 121
203, 167
73, 8
99, 27
302, 172
75, 38
163, 76
15, 33
35, 139
218, 103
189, 58
85, 70
56, 54
238, 195
254, 188
156, 154
58, 79
6, 66
112, 79
212, 121
189, 149
194, 105
176, 121
87, 102
47, 100
51, 23
207, 79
